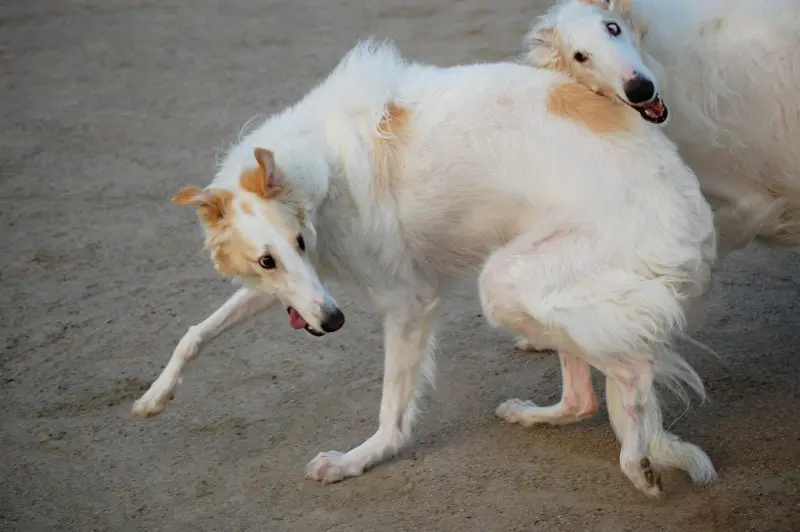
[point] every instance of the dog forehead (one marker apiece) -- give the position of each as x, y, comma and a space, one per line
265, 222
579, 19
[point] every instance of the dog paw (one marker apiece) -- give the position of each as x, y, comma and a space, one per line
528, 413
516, 411
644, 476
151, 404
525, 345
330, 467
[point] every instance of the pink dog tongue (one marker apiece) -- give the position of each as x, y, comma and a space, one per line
296, 320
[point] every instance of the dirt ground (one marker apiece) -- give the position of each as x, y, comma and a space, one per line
107, 109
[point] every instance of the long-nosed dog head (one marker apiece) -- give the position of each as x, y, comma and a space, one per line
258, 232
592, 41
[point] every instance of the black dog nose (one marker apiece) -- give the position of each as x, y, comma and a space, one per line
332, 321
639, 90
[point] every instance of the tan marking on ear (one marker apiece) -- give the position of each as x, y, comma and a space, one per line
254, 181
188, 196
212, 204
265, 159
391, 135
266, 180
217, 206
576, 102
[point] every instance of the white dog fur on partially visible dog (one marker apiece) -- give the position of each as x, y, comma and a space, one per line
723, 76
729, 72
591, 234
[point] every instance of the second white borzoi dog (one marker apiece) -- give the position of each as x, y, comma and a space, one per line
730, 73
400, 177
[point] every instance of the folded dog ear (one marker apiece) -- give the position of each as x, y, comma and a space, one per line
541, 47
264, 181
211, 204
190, 196
266, 161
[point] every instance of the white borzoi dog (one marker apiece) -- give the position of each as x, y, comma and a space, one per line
591, 233
730, 73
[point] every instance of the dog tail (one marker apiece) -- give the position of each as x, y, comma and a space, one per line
667, 450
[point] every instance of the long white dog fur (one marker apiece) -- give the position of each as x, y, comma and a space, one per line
729, 72
591, 234
731, 81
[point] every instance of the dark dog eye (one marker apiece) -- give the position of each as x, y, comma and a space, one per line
266, 262
613, 28
301, 242
580, 57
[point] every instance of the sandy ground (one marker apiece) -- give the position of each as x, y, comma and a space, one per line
108, 108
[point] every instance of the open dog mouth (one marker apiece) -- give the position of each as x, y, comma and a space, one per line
296, 321
653, 111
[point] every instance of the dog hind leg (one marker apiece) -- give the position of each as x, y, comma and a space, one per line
641, 418
243, 304
554, 290
665, 449
578, 399
409, 349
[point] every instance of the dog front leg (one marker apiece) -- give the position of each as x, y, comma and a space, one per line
244, 304
409, 347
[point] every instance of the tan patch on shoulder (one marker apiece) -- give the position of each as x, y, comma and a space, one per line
394, 119
391, 135
578, 103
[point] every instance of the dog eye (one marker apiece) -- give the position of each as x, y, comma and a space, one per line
580, 57
613, 28
301, 242
267, 262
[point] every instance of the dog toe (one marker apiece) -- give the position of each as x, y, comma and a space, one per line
326, 468
644, 476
